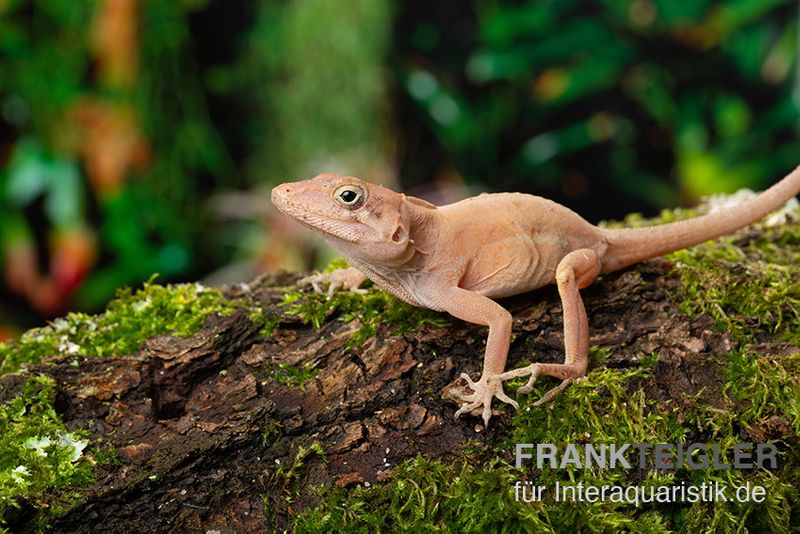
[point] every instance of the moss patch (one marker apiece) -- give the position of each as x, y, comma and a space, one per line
748, 282
291, 375
425, 496
373, 309
765, 387
130, 319
477, 494
41, 463
749, 285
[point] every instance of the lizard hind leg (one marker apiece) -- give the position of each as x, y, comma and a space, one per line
576, 271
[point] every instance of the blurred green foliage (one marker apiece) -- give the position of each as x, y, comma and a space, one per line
320, 81
106, 148
608, 100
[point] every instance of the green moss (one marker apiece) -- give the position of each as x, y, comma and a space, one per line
295, 376
371, 309
130, 319
637, 220
598, 409
425, 496
749, 288
267, 323
610, 406
271, 431
764, 386
290, 476
759, 389
41, 463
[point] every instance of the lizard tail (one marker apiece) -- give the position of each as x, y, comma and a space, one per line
631, 245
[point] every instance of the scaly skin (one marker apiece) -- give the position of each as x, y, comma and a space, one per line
457, 258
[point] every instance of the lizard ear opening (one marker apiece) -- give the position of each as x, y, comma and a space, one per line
397, 237
398, 229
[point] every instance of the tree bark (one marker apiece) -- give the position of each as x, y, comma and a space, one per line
206, 437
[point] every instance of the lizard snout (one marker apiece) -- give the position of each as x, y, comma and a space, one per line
280, 194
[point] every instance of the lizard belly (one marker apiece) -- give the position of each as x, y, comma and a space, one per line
513, 266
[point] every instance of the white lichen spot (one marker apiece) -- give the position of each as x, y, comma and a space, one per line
789, 212
38, 444
142, 305
75, 446
18, 474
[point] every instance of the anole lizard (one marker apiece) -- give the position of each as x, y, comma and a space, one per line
457, 258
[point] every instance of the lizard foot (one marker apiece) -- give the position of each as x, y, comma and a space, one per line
483, 391
349, 279
534, 370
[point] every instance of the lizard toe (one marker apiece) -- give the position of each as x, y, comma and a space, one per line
487, 413
467, 407
470, 383
501, 395
528, 387
515, 373
547, 397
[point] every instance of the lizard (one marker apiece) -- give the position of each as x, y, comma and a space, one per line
459, 257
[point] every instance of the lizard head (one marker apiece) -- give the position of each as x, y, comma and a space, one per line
361, 220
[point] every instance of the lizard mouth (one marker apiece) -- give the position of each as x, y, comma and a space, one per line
312, 219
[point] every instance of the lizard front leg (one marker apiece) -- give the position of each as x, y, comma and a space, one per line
477, 309
576, 271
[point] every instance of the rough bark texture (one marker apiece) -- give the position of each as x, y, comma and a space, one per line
190, 418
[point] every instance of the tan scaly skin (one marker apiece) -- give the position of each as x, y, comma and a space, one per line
457, 258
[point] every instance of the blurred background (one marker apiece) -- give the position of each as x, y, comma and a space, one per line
143, 136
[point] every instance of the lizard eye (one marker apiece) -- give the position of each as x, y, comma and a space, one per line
350, 196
